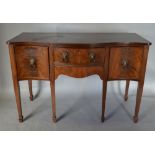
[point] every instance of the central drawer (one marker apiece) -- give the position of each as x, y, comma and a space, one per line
73, 56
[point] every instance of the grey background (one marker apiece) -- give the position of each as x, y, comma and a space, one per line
78, 100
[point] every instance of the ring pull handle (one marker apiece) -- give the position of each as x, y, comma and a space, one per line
33, 63
65, 57
92, 57
124, 63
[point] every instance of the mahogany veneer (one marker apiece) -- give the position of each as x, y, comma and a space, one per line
45, 56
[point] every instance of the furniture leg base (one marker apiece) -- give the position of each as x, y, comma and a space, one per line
54, 119
125, 98
135, 119
102, 119
31, 98
21, 119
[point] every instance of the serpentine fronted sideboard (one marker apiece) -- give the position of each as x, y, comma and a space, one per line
45, 56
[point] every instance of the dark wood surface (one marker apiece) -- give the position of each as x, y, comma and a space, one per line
79, 56
125, 63
88, 39
30, 89
16, 82
32, 62
45, 56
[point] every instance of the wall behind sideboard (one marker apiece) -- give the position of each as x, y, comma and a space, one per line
8, 31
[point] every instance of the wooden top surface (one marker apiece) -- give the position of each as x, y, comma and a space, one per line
94, 39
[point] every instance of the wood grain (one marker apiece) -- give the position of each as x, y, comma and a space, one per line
30, 89
141, 83
79, 72
23, 55
79, 56
16, 83
80, 39
132, 55
104, 84
111, 56
126, 90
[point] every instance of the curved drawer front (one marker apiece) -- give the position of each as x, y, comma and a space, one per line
71, 56
79, 72
125, 62
32, 62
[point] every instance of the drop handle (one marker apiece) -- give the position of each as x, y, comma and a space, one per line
33, 63
124, 63
65, 57
92, 57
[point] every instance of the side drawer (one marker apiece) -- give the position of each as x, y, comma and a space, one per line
125, 62
32, 62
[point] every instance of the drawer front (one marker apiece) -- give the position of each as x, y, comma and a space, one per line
79, 72
70, 56
32, 62
125, 62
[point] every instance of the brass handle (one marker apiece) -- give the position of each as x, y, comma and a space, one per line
124, 63
92, 57
32, 63
65, 57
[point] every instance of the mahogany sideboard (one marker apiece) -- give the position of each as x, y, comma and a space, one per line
45, 56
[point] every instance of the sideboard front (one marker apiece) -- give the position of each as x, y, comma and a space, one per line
40, 56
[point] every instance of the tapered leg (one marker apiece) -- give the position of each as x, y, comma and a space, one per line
104, 92
126, 90
52, 83
138, 101
18, 100
15, 83
30, 89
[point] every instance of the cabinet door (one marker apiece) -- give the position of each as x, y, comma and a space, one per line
125, 62
32, 62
